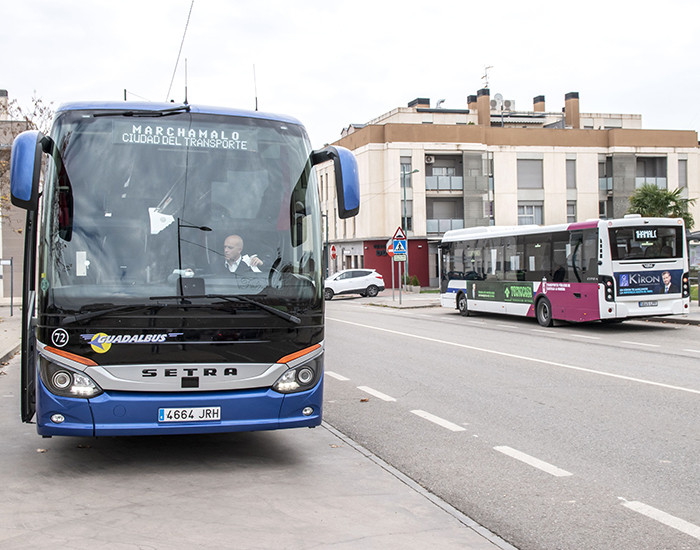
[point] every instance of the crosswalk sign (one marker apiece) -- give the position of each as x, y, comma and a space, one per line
399, 246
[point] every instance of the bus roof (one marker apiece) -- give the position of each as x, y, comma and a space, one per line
494, 231
156, 106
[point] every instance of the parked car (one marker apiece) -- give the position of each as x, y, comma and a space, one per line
365, 282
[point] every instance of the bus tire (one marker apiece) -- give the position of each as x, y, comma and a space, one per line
462, 304
543, 312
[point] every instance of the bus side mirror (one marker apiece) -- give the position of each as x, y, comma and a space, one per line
347, 181
25, 168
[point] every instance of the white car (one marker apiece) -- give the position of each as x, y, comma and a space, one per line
365, 282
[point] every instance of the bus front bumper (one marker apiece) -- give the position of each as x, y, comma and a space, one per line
132, 413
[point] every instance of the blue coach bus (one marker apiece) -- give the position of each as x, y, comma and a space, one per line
134, 321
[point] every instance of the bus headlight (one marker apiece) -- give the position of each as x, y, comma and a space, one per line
66, 382
301, 378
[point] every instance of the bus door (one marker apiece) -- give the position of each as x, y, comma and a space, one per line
575, 276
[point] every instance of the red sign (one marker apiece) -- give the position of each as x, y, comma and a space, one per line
390, 249
399, 235
333, 253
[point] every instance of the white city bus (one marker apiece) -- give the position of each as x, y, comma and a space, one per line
606, 270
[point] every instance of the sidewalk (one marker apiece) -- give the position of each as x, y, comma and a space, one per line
349, 496
410, 300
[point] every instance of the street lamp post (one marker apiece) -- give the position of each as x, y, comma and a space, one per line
404, 173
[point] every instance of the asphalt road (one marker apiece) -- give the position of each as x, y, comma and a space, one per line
573, 437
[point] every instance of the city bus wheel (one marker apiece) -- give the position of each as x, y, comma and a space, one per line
544, 313
328, 294
462, 304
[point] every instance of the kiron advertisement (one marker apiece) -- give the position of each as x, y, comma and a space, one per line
639, 283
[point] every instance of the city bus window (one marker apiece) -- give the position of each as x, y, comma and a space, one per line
515, 259
537, 256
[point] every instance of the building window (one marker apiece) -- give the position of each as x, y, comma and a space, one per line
530, 213
571, 174
530, 174
652, 171
605, 173
570, 211
406, 170
683, 177
407, 216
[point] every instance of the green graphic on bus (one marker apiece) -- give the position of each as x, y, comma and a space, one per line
519, 293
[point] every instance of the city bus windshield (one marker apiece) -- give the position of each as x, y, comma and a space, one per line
187, 204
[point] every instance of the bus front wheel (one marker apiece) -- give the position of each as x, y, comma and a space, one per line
462, 304
544, 312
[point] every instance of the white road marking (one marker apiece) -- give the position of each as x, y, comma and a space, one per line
692, 350
375, 393
439, 421
662, 517
542, 331
532, 461
589, 337
640, 344
520, 357
336, 376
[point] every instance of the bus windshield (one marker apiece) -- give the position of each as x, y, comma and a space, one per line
646, 242
137, 208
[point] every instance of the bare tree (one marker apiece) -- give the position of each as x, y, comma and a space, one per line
15, 119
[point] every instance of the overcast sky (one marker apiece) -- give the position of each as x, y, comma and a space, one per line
334, 63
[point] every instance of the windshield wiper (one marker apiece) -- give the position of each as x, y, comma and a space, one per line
146, 112
100, 312
233, 298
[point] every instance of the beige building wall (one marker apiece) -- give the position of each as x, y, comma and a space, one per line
587, 185
505, 175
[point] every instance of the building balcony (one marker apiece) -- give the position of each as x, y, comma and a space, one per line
444, 183
442, 225
605, 184
659, 182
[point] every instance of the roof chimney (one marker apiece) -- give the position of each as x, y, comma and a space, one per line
420, 103
471, 102
539, 104
483, 107
571, 112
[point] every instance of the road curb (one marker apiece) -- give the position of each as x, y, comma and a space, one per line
436, 500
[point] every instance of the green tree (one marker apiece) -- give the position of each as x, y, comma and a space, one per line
651, 201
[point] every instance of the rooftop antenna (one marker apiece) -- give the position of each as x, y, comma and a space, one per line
485, 78
180, 51
185, 81
255, 85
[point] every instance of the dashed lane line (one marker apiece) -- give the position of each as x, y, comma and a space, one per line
337, 376
375, 393
439, 421
640, 344
532, 461
663, 517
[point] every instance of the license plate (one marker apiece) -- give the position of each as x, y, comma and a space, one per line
189, 414
651, 303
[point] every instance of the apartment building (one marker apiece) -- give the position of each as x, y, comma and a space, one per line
430, 169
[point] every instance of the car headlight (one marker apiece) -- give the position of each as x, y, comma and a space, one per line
300, 378
67, 382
